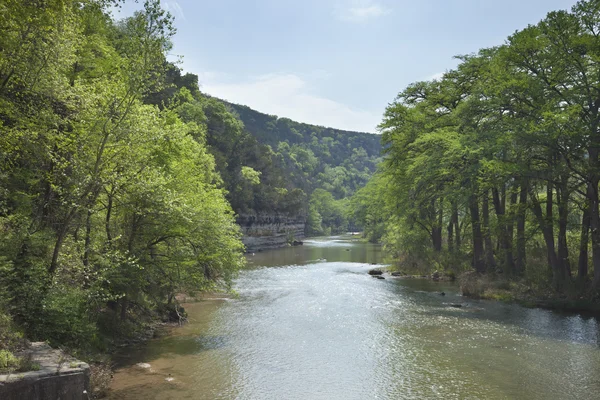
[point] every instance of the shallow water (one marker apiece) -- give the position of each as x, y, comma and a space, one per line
310, 323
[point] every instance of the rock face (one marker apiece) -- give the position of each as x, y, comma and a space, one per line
268, 231
59, 377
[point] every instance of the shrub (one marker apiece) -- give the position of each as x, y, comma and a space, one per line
8, 361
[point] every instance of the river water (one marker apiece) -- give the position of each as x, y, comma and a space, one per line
310, 323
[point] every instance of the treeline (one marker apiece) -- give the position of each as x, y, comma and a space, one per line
109, 203
496, 165
324, 165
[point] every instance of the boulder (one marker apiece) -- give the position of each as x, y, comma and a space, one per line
375, 272
397, 273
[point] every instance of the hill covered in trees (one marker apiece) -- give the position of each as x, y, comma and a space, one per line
327, 165
275, 165
495, 167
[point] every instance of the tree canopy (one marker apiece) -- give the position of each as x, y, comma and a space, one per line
109, 204
496, 165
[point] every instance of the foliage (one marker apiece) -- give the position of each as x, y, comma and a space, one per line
496, 166
110, 203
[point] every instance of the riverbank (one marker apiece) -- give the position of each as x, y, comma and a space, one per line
499, 288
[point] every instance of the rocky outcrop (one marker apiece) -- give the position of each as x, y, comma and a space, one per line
268, 231
57, 376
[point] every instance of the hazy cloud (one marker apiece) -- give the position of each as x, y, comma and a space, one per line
289, 95
174, 8
360, 11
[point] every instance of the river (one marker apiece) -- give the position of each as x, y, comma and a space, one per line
310, 323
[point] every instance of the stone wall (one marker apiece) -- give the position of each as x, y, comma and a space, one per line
58, 377
267, 231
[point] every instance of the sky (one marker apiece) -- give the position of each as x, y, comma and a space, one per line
335, 63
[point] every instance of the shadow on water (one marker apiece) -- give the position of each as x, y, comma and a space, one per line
170, 346
330, 249
548, 324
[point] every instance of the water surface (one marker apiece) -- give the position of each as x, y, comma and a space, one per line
310, 323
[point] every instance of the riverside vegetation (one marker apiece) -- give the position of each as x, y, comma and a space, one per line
120, 181
495, 166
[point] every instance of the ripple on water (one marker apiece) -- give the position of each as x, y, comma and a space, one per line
326, 330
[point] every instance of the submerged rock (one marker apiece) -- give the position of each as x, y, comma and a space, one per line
456, 305
397, 273
379, 277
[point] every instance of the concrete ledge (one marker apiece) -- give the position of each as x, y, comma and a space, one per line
59, 377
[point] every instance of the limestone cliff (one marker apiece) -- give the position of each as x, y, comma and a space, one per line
267, 231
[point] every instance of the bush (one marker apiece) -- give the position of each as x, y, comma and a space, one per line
65, 320
11, 338
478, 286
8, 361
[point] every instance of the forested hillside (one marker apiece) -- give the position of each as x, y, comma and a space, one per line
328, 165
496, 165
275, 165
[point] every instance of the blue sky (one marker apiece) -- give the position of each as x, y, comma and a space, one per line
335, 63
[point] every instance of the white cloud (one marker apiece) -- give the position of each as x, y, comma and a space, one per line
174, 8
288, 95
360, 11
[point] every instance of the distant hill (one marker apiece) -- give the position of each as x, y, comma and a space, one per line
270, 129
314, 157
271, 164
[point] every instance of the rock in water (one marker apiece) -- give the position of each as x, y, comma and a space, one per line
375, 272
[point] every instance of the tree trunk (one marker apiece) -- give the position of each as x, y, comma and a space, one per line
595, 228
487, 237
582, 269
436, 230
107, 220
456, 227
563, 196
478, 261
124, 305
505, 242
546, 227
450, 230
521, 215
88, 233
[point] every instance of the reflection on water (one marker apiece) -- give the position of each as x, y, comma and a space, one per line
309, 323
